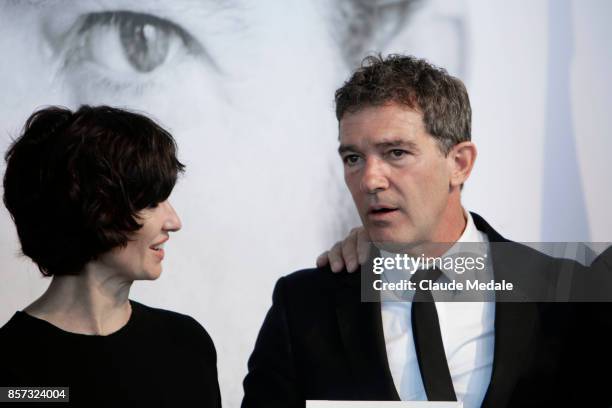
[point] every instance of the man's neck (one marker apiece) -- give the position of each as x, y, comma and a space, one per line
452, 222
93, 302
455, 223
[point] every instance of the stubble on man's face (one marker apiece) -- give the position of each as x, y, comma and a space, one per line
397, 174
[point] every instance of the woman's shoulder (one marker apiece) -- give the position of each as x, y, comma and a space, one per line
174, 325
11, 329
19, 326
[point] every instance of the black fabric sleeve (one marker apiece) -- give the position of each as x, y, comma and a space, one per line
206, 359
271, 381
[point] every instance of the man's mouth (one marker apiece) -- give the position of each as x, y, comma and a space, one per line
381, 211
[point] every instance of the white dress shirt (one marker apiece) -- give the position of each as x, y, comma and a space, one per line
468, 335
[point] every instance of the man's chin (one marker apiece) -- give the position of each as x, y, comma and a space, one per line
387, 239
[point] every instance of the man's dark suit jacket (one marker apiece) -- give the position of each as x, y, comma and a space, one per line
319, 341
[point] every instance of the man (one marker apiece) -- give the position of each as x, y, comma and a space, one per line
404, 132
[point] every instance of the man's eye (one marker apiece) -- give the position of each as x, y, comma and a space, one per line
351, 159
397, 153
127, 42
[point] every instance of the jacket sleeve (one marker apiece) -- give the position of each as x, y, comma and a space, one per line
271, 381
596, 333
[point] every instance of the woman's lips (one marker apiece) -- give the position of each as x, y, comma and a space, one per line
159, 253
158, 249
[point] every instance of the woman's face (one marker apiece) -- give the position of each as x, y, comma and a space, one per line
141, 258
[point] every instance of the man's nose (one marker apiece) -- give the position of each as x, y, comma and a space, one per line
172, 222
374, 177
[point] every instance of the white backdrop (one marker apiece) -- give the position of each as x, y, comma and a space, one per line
246, 87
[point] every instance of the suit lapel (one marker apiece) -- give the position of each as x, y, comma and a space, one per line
360, 325
514, 323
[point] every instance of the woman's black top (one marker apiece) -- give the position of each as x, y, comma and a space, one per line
158, 359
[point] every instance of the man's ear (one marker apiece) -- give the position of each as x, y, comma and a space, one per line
461, 160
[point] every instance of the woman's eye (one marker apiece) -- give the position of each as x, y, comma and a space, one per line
128, 42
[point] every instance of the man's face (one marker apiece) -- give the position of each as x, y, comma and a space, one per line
397, 174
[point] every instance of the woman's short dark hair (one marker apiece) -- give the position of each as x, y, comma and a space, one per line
75, 182
406, 80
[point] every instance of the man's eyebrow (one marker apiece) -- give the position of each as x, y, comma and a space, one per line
385, 144
347, 148
396, 143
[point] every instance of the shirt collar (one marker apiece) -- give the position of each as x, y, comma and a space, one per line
472, 241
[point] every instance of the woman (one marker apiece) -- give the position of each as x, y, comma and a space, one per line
88, 193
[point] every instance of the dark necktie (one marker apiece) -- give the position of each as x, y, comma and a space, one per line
428, 341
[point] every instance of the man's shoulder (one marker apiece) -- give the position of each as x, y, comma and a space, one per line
306, 299
320, 279
517, 253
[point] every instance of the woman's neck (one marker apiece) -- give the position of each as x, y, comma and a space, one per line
94, 302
